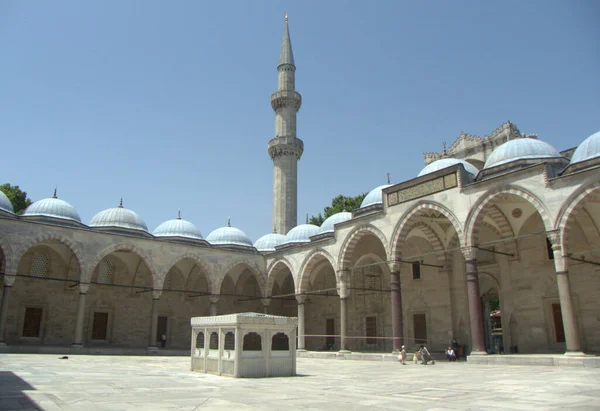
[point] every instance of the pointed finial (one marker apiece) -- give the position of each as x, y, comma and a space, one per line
274, 229
444, 150
179, 214
286, 17
228, 221
54, 195
121, 203
388, 178
306, 218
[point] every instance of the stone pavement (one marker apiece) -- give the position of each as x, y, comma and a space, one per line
82, 382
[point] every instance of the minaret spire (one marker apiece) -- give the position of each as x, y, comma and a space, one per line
285, 149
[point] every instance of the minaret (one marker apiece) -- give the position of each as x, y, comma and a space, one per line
285, 149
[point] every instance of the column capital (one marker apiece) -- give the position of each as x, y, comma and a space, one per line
470, 253
343, 286
394, 265
84, 288
301, 299
213, 298
265, 301
554, 237
9, 279
156, 294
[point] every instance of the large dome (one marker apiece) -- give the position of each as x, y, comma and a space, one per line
119, 217
375, 196
301, 233
520, 149
229, 236
178, 228
327, 226
5, 203
588, 149
53, 207
269, 242
448, 162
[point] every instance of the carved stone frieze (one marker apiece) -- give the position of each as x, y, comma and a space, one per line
285, 146
420, 190
286, 98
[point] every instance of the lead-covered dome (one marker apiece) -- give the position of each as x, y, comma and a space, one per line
269, 242
5, 203
301, 233
588, 149
521, 149
119, 217
375, 196
52, 207
229, 236
331, 221
448, 162
178, 228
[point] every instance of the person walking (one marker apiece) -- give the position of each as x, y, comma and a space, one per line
163, 340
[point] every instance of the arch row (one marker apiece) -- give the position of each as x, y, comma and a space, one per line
432, 237
204, 266
251, 265
352, 241
571, 207
74, 246
274, 269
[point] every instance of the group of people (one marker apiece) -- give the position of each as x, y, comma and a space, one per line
423, 354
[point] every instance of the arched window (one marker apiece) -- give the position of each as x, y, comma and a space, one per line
252, 342
106, 270
230, 341
280, 342
214, 341
40, 264
167, 283
200, 340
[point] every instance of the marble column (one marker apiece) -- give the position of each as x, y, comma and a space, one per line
474, 299
214, 299
301, 333
265, 302
78, 340
567, 309
344, 292
9, 280
397, 320
154, 319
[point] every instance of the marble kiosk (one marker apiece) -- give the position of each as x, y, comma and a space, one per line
244, 345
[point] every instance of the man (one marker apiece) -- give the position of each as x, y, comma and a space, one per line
426, 356
163, 340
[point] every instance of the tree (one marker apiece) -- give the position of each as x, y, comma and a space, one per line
17, 197
338, 204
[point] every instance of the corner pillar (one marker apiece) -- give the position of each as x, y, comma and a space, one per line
475, 309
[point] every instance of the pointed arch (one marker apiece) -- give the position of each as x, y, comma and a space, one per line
309, 264
274, 268
403, 227
432, 237
352, 239
144, 256
9, 265
484, 205
571, 206
208, 273
251, 265
75, 248
504, 230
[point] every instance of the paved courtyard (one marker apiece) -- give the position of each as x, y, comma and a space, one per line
39, 381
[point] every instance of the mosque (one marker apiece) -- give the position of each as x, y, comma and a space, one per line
495, 243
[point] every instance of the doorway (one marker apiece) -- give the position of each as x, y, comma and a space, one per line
329, 332
161, 328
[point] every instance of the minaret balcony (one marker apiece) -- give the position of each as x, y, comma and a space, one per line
285, 146
286, 98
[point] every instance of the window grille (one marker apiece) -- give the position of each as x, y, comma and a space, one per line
40, 265
252, 342
167, 283
106, 271
230, 341
416, 270
214, 341
280, 342
200, 341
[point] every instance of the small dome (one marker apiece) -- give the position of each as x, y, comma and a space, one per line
588, 149
520, 149
269, 242
53, 207
178, 228
327, 226
230, 236
5, 203
301, 233
119, 217
448, 162
375, 196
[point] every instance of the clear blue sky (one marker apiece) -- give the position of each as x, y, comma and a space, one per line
167, 103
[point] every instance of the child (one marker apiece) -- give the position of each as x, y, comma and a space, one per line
402, 355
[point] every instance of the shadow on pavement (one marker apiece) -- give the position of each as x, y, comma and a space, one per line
12, 393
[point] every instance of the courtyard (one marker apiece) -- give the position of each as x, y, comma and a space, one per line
89, 382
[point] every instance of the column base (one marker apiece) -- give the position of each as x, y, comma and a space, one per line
153, 350
301, 350
575, 354
76, 345
478, 353
341, 353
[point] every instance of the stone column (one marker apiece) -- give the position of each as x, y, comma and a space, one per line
397, 320
475, 309
301, 344
265, 302
214, 299
9, 280
78, 340
344, 292
567, 309
154, 319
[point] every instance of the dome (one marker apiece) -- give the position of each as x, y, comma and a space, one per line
375, 196
230, 236
53, 207
327, 226
301, 233
588, 149
5, 203
269, 242
178, 228
448, 162
119, 217
520, 149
